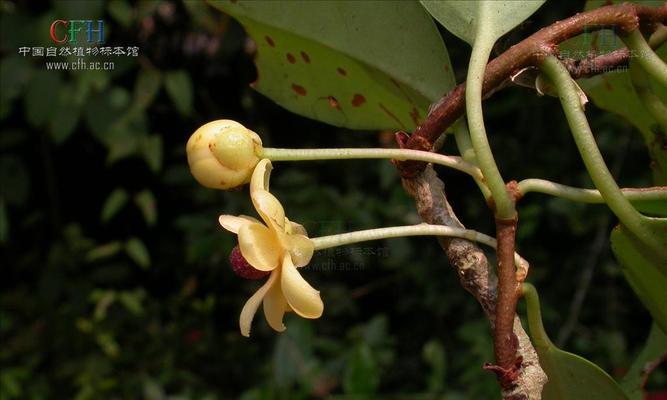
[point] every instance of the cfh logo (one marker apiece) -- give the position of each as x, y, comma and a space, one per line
63, 31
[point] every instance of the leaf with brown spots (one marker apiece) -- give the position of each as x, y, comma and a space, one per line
347, 63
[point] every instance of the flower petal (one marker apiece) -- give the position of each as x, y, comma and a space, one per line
295, 228
251, 306
270, 209
304, 300
259, 246
275, 306
301, 249
260, 176
233, 223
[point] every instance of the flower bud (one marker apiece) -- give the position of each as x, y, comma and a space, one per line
222, 154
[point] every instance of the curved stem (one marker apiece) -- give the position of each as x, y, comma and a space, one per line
592, 157
463, 143
487, 164
653, 104
588, 195
537, 332
325, 242
646, 57
395, 154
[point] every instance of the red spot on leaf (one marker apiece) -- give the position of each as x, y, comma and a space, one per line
290, 58
446, 68
414, 114
391, 115
270, 41
305, 57
300, 90
333, 103
358, 100
341, 71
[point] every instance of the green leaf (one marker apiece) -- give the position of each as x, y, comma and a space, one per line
361, 374
116, 200
137, 251
104, 251
146, 87
121, 12
14, 180
642, 273
433, 354
38, 100
347, 63
146, 203
570, 377
132, 300
151, 149
65, 117
654, 349
179, 89
462, 18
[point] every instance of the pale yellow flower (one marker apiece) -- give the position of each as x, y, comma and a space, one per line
277, 245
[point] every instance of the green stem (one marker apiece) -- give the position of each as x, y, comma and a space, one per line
537, 332
651, 102
343, 239
325, 242
504, 205
646, 57
655, 193
592, 157
396, 154
462, 136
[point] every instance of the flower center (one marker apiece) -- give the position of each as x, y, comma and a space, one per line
242, 267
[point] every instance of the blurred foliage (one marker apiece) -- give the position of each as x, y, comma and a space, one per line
116, 282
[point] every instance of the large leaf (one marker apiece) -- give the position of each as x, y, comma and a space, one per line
462, 18
654, 349
643, 273
570, 377
358, 64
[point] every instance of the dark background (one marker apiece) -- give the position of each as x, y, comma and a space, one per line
114, 274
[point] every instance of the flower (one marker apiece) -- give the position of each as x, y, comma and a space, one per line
222, 154
277, 245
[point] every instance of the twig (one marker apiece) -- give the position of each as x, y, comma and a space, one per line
530, 52
475, 275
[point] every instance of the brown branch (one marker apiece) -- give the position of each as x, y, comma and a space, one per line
475, 275
527, 53
504, 340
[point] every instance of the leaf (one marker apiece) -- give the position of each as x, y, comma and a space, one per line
146, 203
151, 149
433, 354
179, 89
65, 117
121, 12
654, 349
361, 374
14, 180
38, 100
570, 377
137, 251
116, 200
462, 18
132, 300
104, 251
365, 73
146, 87
642, 273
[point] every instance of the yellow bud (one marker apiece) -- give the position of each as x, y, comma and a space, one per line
222, 154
